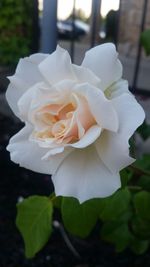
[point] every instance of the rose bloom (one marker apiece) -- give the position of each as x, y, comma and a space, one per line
78, 120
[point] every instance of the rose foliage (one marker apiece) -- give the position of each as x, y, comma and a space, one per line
78, 122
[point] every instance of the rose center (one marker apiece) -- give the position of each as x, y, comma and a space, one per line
65, 123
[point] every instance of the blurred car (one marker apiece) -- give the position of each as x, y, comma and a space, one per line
66, 29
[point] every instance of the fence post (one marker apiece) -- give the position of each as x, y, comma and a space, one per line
95, 21
72, 44
49, 26
35, 28
139, 50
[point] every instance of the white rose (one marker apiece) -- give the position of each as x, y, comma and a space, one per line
78, 120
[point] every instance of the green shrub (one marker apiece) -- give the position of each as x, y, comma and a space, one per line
15, 30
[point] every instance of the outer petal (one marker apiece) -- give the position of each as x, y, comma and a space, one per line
131, 114
103, 61
113, 151
84, 176
28, 99
117, 89
57, 67
85, 75
100, 107
29, 155
27, 74
53, 152
113, 148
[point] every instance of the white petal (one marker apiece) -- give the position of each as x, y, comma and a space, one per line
113, 151
27, 68
27, 74
12, 95
89, 137
29, 155
41, 95
64, 86
85, 75
29, 97
83, 175
57, 67
113, 148
100, 107
52, 152
37, 58
131, 114
103, 61
81, 130
118, 88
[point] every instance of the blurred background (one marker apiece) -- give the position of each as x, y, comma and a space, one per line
31, 26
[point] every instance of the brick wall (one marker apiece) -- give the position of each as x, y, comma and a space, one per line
130, 21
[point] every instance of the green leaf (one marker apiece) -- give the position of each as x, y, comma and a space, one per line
141, 228
142, 204
126, 176
144, 182
145, 41
117, 234
56, 200
139, 246
144, 130
115, 206
144, 163
79, 219
34, 221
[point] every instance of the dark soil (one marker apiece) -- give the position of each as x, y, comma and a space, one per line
17, 182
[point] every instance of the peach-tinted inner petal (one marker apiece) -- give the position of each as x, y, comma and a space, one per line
65, 123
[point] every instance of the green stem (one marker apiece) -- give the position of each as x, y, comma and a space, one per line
139, 171
134, 188
52, 197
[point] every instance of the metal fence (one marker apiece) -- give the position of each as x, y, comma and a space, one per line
134, 88
96, 6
